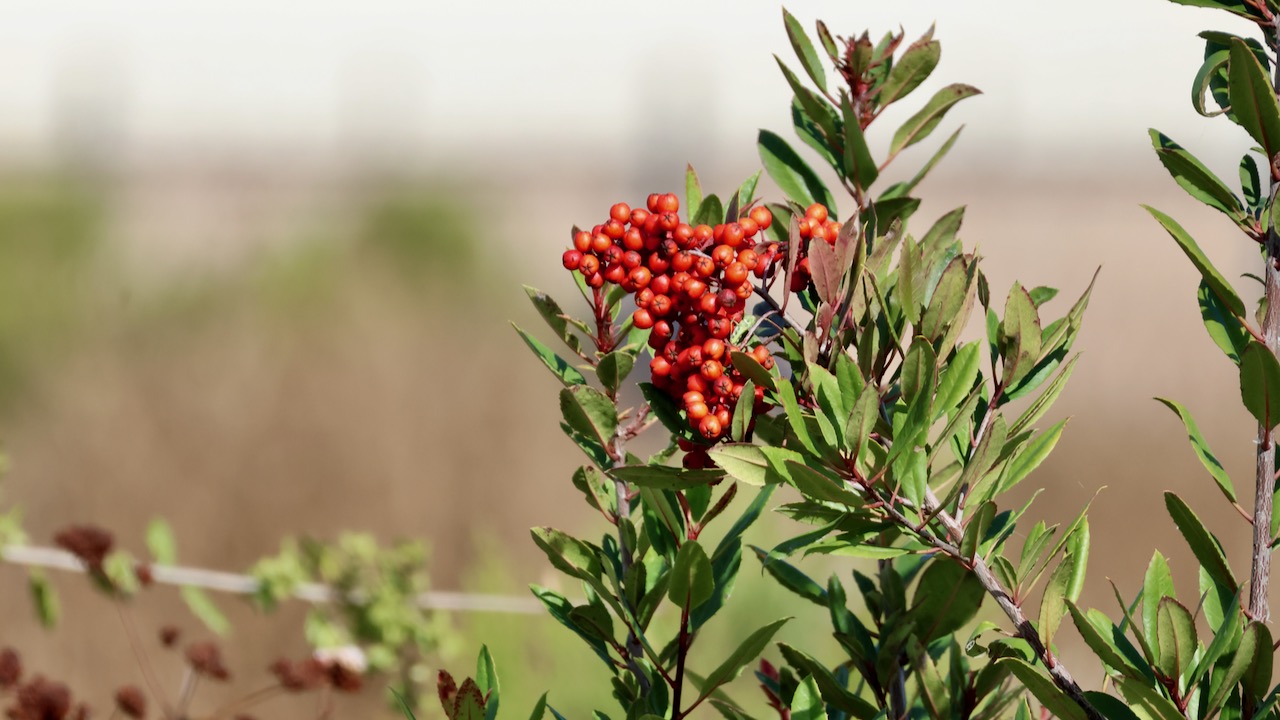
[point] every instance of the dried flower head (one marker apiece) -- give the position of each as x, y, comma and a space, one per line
206, 659
131, 701
41, 699
90, 544
169, 635
10, 668
298, 676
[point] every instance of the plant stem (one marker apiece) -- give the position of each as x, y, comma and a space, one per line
1057, 671
682, 650
1264, 489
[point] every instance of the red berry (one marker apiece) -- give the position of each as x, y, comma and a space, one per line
710, 427
713, 348
669, 203
762, 217
712, 369
816, 211
620, 212
736, 273
571, 259
642, 319
696, 411
582, 241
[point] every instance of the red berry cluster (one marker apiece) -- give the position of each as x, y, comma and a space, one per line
690, 285
815, 225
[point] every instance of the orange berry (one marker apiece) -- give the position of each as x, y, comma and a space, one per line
761, 215
642, 319
669, 203
736, 273
620, 212
749, 226
711, 369
816, 211
696, 411
713, 348
710, 427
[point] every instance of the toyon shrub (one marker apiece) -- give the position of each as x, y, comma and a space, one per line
869, 368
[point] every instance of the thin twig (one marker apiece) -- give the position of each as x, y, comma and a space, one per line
54, 559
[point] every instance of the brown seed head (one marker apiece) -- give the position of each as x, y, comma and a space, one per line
131, 701
90, 544
206, 659
10, 668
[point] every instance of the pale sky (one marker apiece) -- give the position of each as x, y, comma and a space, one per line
443, 80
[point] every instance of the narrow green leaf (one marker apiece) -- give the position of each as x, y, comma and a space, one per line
44, 597
920, 125
554, 316
205, 610
1176, 630
1192, 176
903, 189
1260, 384
743, 411
916, 63
568, 374
1225, 329
1203, 545
161, 543
1201, 448
692, 192
1053, 604
1041, 686
792, 174
858, 163
487, 681
1221, 288
1021, 334
1253, 642
804, 50
691, 580
1030, 457
1253, 99
746, 652
1157, 584
665, 477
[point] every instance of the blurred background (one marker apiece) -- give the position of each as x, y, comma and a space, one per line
257, 262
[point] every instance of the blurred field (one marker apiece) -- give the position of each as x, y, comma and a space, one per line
255, 354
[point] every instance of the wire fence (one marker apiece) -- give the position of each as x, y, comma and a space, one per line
225, 582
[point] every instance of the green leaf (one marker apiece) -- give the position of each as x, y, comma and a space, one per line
743, 411
792, 174
614, 368
916, 63
487, 681
1253, 99
951, 298
1041, 405
1053, 604
1221, 288
664, 408
818, 486
743, 462
710, 212
555, 317
752, 370
1155, 705
568, 374
791, 578
1176, 633
1225, 329
946, 598
691, 580
957, 378
806, 703
804, 50
1157, 584
862, 420
1257, 679
1251, 184
1100, 642
44, 597
204, 610
1260, 384
920, 125
903, 189
664, 477
567, 554
1202, 451
831, 690
692, 192
1203, 545
1042, 688
747, 190
1022, 335
745, 653
858, 163
160, 541
589, 412
1192, 176
539, 709
1235, 7
1030, 458
469, 704
1255, 641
